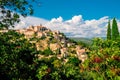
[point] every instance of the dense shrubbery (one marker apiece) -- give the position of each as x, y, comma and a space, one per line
18, 60
104, 60
47, 52
16, 57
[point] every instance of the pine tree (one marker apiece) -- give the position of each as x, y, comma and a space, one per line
109, 31
115, 32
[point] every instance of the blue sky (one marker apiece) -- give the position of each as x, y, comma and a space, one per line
90, 9
74, 18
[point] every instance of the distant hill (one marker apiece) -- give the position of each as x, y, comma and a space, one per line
81, 39
84, 40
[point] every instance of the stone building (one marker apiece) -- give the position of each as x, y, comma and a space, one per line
40, 28
32, 30
81, 53
54, 46
64, 52
29, 33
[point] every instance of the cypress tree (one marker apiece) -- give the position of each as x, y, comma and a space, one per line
109, 31
115, 32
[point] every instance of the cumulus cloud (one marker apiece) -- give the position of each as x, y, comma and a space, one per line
74, 27
75, 19
55, 20
78, 27
118, 23
28, 21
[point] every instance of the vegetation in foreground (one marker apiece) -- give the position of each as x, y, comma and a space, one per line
18, 61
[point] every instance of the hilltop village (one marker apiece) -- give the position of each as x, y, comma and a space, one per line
46, 54
57, 42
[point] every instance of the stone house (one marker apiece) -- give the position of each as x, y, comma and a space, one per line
42, 45
63, 43
21, 31
81, 53
56, 32
3, 31
64, 52
54, 46
29, 33
40, 34
39, 28
70, 44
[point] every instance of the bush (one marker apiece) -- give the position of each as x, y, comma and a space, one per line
104, 58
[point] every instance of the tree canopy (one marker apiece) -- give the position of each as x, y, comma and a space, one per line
10, 10
115, 31
109, 31
112, 34
16, 57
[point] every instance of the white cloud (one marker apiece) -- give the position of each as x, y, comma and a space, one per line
118, 24
75, 19
26, 22
75, 27
59, 19
78, 27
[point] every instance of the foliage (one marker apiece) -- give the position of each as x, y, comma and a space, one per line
19, 61
47, 52
115, 32
77, 41
74, 60
109, 31
103, 63
16, 57
56, 69
10, 10
42, 71
104, 60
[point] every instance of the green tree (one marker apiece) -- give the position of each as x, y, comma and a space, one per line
109, 31
16, 57
10, 10
115, 32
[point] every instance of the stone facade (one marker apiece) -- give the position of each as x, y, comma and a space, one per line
81, 53
64, 52
54, 40
3, 31
30, 31
40, 34
54, 46
42, 45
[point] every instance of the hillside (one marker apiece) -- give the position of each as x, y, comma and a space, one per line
54, 42
37, 53
38, 49
84, 40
